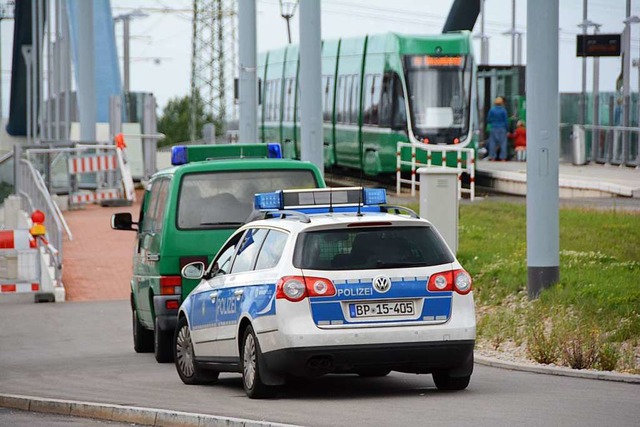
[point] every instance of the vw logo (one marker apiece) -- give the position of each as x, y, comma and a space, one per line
382, 284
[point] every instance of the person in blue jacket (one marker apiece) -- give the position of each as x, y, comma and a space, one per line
499, 122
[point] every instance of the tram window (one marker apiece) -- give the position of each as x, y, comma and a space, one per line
354, 98
340, 100
329, 99
399, 107
366, 105
386, 100
375, 98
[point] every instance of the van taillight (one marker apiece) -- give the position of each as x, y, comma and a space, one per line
452, 280
170, 285
296, 288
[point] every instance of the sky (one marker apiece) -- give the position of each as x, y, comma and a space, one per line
161, 43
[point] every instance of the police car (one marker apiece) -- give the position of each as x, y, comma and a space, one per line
331, 281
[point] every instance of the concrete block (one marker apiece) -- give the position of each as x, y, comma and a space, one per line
59, 293
50, 406
176, 419
127, 414
14, 402
90, 410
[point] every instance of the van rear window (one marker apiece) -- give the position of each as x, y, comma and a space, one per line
225, 199
370, 248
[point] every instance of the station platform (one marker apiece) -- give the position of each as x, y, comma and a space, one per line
586, 181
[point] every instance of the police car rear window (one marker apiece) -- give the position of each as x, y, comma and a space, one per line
370, 248
225, 199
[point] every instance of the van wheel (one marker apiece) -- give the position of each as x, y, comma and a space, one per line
187, 367
251, 360
162, 344
142, 337
444, 381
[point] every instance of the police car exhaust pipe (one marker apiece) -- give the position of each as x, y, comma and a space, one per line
320, 364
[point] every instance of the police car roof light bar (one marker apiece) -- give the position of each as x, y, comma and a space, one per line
182, 154
317, 198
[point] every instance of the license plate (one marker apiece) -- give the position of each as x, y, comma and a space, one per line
381, 309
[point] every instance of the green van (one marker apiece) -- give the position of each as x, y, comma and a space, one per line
188, 212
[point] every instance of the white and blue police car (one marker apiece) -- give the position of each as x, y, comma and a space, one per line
331, 281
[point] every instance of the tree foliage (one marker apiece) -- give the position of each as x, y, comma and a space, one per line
176, 117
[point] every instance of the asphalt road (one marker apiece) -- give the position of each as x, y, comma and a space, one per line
83, 351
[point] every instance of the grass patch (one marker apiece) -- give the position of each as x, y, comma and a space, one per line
590, 319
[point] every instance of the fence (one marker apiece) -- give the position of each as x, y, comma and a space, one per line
466, 165
615, 145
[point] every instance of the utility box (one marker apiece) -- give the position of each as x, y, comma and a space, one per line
439, 201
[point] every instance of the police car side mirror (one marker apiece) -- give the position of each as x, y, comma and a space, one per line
123, 221
193, 270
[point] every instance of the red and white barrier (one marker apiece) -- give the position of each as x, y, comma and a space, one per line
91, 164
16, 239
99, 195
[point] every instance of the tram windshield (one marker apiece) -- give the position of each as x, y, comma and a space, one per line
439, 96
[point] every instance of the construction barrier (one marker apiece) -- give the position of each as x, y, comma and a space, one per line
19, 262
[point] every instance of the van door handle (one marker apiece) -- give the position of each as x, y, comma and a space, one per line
238, 293
153, 257
213, 296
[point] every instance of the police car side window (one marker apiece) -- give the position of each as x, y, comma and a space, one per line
223, 261
248, 249
271, 250
150, 214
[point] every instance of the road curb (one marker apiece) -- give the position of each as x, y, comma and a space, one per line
126, 414
557, 370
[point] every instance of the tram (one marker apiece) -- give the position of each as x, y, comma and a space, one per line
378, 90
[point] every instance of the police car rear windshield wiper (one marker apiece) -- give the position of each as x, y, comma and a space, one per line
382, 264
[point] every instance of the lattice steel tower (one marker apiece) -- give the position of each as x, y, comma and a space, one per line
213, 59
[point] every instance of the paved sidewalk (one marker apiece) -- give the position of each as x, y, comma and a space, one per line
98, 262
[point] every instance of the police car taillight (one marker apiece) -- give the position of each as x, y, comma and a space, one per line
453, 280
296, 288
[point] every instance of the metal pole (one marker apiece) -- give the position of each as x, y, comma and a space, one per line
47, 9
125, 50
519, 57
86, 85
583, 93
595, 136
26, 53
248, 86
513, 32
311, 83
288, 29
626, 80
17, 155
484, 43
58, 70
0, 69
66, 76
34, 67
40, 71
543, 137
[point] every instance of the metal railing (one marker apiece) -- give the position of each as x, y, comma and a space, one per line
467, 165
34, 195
615, 145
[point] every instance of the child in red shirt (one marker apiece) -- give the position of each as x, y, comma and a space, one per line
519, 137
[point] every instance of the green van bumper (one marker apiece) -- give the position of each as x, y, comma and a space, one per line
167, 318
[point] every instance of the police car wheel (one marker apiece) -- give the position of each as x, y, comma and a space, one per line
444, 381
373, 372
251, 360
187, 367
162, 344
142, 337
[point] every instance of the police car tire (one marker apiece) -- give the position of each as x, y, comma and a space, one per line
142, 337
251, 380
446, 382
198, 375
162, 344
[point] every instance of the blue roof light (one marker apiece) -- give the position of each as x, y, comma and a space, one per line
179, 155
375, 196
264, 201
275, 151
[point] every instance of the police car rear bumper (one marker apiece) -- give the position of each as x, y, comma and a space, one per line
423, 357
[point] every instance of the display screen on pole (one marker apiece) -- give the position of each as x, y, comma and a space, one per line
598, 45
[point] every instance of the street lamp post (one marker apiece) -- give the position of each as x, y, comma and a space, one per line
633, 20
287, 10
627, 82
126, 18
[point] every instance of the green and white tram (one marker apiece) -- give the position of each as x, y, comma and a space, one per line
378, 90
